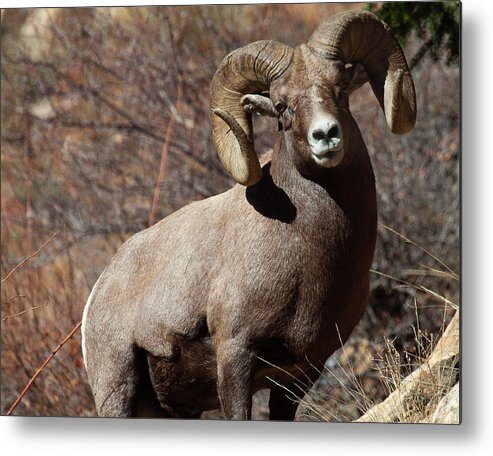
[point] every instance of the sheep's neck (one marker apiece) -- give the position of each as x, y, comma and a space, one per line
350, 187
292, 180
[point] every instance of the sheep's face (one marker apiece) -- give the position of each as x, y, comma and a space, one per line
311, 103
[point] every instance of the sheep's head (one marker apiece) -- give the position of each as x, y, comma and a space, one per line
307, 89
313, 110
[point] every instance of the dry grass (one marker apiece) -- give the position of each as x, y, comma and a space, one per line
350, 399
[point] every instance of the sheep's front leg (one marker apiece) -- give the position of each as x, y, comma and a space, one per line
281, 405
234, 379
282, 402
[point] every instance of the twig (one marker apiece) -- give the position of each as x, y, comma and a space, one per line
22, 311
53, 353
25, 260
419, 288
454, 274
12, 298
28, 182
164, 156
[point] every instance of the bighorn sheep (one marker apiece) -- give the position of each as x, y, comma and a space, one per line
255, 287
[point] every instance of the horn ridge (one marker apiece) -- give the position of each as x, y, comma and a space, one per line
362, 36
249, 69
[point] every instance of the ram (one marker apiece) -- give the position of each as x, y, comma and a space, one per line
256, 287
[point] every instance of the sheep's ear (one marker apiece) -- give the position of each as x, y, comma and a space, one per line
357, 77
259, 104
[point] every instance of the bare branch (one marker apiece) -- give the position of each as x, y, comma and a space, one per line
53, 353
22, 311
30, 257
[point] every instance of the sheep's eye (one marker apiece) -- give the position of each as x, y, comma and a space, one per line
280, 107
343, 91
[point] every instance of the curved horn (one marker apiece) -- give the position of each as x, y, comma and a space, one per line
360, 36
249, 69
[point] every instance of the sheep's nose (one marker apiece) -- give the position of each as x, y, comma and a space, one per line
325, 136
326, 132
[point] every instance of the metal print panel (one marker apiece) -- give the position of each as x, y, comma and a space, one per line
232, 212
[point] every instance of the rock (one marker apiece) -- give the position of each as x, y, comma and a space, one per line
448, 409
